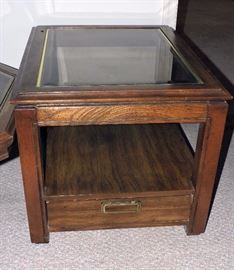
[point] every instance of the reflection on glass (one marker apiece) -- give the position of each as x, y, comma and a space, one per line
109, 57
5, 83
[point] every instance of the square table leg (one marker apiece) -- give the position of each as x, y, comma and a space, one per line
28, 138
206, 160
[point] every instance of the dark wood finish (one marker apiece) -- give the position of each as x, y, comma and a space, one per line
26, 91
181, 15
67, 214
121, 162
207, 157
94, 160
30, 157
7, 127
210, 80
162, 203
117, 114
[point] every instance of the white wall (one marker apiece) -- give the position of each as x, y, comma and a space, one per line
18, 16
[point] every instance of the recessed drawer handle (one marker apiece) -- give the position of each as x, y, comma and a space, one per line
120, 206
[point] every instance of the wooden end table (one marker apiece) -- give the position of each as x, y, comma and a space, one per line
98, 120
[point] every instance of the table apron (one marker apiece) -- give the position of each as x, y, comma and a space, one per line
121, 114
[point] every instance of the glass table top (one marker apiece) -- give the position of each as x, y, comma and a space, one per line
6, 81
76, 57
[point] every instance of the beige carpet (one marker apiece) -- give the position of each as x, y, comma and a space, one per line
147, 248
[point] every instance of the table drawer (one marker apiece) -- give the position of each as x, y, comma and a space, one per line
75, 214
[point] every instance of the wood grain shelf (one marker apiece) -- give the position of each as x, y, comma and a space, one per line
117, 160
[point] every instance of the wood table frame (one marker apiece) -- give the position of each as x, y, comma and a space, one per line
205, 105
7, 126
211, 117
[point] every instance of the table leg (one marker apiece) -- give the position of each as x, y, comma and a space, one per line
30, 157
206, 159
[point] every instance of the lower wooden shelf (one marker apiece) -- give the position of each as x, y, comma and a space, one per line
140, 173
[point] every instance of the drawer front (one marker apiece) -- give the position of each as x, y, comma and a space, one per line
73, 214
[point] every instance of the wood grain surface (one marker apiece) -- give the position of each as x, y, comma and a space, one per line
118, 114
117, 159
31, 165
206, 160
68, 214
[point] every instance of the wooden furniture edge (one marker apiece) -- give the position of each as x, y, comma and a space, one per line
210, 90
7, 125
116, 114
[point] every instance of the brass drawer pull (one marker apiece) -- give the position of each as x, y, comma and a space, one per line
120, 206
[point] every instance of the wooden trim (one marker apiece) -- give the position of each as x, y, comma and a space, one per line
119, 114
195, 63
26, 92
7, 125
8, 69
